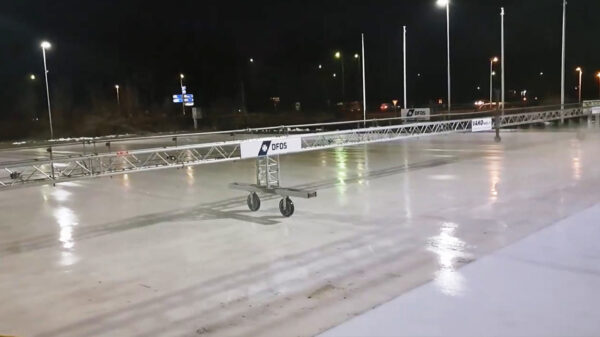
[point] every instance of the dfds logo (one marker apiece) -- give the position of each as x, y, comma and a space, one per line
267, 145
264, 148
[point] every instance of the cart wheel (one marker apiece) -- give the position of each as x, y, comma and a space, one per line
253, 202
286, 207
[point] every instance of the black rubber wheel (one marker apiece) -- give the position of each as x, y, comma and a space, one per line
286, 207
253, 202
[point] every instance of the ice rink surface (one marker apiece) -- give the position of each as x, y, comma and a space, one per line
175, 253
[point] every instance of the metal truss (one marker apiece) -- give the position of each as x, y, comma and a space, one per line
109, 164
267, 171
14, 175
324, 140
541, 117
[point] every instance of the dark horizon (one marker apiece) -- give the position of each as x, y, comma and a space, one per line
144, 46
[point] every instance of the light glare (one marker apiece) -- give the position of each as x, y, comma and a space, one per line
442, 3
46, 45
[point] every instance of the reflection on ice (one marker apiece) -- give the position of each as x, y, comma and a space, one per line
190, 175
67, 258
66, 219
450, 250
576, 159
342, 171
443, 177
494, 168
59, 194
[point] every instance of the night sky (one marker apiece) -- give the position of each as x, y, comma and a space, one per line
144, 45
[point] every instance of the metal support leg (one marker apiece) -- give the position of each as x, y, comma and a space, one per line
52, 166
497, 138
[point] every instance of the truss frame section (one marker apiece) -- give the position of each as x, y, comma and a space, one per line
324, 140
101, 165
540, 117
19, 174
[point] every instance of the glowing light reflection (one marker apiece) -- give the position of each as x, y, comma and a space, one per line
126, 180
60, 195
576, 162
494, 170
341, 158
450, 251
190, 175
67, 220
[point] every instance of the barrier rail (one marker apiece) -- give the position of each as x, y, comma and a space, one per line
56, 170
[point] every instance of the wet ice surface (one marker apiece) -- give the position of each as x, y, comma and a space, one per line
175, 253
545, 285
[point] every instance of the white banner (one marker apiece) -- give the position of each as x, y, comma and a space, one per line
481, 124
416, 114
270, 147
589, 104
596, 111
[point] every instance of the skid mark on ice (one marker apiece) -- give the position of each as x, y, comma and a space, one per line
260, 277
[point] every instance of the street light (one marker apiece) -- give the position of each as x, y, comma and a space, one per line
118, 98
338, 55
503, 69
564, 38
181, 77
578, 69
492, 61
358, 72
46, 45
446, 3
404, 70
598, 75
33, 78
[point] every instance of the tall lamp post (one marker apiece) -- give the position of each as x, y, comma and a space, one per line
33, 79
181, 77
579, 89
46, 45
358, 68
364, 83
404, 65
446, 3
492, 61
118, 96
564, 42
338, 55
502, 58
598, 75
118, 99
